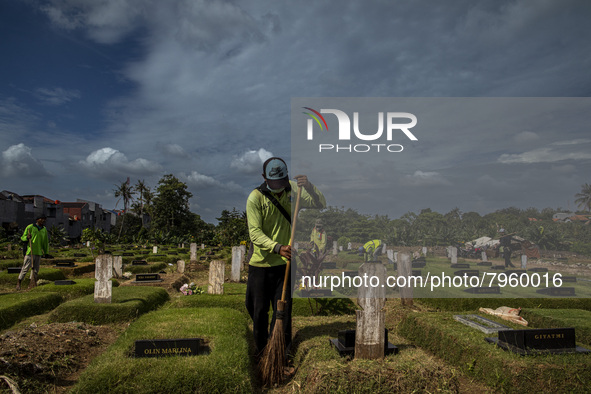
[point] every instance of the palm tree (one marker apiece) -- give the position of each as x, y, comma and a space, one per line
144, 195
583, 200
125, 192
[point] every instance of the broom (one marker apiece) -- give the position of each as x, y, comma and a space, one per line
273, 358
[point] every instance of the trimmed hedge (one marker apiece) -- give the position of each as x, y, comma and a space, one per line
127, 303
579, 319
466, 348
14, 307
471, 304
226, 369
83, 286
50, 274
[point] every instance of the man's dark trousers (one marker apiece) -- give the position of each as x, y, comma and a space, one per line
264, 288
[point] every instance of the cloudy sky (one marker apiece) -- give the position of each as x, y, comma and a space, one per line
93, 92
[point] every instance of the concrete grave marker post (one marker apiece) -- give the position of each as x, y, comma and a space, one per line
523, 261
202, 246
236, 263
193, 252
454, 255
155, 249
390, 254
180, 266
296, 246
395, 257
340, 248
103, 274
405, 270
349, 246
243, 263
118, 266
335, 249
216, 277
369, 333
484, 257
424, 251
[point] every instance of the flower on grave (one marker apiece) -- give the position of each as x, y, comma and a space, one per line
190, 289
127, 275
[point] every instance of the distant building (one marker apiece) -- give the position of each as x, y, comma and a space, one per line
17, 212
569, 217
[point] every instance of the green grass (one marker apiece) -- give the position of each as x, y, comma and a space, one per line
465, 348
17, 306
50, 274
470, 304
127, 303
83, 286
226, 369
321, 369
579, 319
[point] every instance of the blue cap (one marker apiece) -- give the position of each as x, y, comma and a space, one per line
275, 172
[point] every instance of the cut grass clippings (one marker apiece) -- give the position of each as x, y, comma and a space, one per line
226, 369
127, 303
466, 348
14, 307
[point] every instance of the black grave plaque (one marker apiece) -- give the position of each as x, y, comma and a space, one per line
467, 273
460, 265
558, 291
139, 262
147, 277
64, 282
484, 290
345, 343
551, 340
170, 347
13, 270
485, 264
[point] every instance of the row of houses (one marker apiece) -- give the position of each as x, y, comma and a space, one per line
17, 212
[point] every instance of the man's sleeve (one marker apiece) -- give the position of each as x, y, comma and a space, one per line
255, 224
24, 237
313, 199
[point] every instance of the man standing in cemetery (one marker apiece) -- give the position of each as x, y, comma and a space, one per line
505, 242
371, 250
268, 211
318, 238
35, 236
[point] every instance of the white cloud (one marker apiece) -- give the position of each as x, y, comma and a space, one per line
173, 150
251, 162
56, 96
18, 160
196, 179
429, 178
542, 155
572, 142
108, 161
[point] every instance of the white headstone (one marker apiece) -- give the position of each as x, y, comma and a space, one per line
236, 263
425, 251
202, 246
296, 246
180, 266
243, 249
369, 333
390, 254
454, 255
155, 249
405, 270
395, 257
216, 277
335, 248
193, 252
349, 246
523, 262
118, 266
484, 257
103, 273
340, 248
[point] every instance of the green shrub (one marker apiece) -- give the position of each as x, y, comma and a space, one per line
226, 369
579, 319
17, 306
127, 303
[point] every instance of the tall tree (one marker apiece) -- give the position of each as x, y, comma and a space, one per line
171, 207
144, 199
124, 192
583, 200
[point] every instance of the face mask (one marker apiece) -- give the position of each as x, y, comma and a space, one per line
275, 190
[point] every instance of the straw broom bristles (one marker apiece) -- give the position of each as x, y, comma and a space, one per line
272, 362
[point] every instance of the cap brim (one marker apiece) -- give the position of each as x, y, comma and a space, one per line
278, 183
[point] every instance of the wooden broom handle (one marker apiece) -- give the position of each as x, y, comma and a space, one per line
293, 227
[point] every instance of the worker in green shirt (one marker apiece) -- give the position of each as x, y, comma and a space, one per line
371, 250
318, 238
268, 212
37, 245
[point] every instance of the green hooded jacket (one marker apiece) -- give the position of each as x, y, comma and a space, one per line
39, 239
